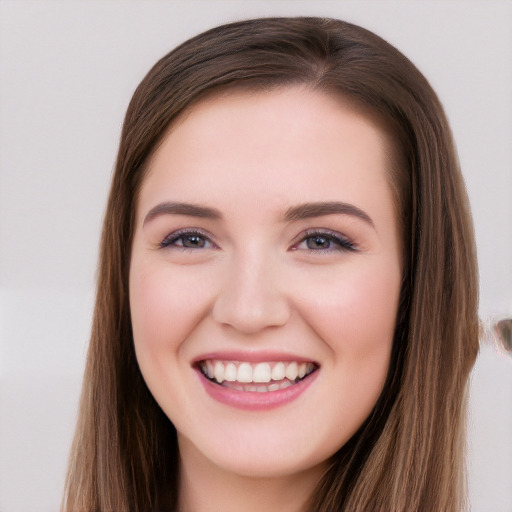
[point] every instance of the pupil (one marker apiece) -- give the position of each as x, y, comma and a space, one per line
318, 242
193, 241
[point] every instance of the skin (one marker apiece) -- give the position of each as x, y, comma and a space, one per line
256, 282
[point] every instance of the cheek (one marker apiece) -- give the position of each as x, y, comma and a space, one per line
356, 311
355, 317
165, 307
370, 312
352, 314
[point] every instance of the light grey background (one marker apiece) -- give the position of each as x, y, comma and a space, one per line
67, 71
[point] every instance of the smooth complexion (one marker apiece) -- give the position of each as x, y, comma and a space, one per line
229, 266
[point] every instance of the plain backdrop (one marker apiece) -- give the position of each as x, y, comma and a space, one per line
67, 72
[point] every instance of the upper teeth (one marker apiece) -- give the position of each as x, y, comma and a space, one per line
245, 372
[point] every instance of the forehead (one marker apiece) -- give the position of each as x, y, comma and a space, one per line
245, 152
286, 105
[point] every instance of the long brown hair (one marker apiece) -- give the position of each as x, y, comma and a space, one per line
408, 455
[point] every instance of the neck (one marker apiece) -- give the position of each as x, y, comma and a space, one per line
204, 487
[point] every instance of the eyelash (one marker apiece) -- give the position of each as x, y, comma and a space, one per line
340, 242
170, 240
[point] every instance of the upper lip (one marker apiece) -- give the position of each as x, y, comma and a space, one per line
252, 357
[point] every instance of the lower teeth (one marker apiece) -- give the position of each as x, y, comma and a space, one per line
262, 388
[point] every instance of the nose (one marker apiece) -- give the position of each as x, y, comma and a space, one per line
251, 297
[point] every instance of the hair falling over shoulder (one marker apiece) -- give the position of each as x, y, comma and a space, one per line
409, 454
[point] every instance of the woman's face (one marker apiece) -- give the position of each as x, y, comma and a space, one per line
264, 279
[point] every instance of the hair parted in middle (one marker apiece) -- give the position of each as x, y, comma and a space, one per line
408, 455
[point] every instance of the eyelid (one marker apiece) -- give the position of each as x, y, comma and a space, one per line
172, 237
343, 242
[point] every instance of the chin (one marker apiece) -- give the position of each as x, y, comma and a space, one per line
261, 456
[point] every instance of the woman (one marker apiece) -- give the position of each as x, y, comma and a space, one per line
287, 303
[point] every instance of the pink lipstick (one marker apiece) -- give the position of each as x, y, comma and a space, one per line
255, 384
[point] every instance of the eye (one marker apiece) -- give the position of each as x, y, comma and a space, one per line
324, 241
187, 240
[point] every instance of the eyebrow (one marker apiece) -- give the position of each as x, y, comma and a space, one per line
191, 210
292, 214
309, 210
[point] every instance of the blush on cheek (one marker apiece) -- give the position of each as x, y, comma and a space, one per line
357, 321
165, 308
374, 299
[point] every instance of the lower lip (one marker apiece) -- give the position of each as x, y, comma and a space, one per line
256, 400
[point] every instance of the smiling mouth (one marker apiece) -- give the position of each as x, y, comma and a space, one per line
259, 377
